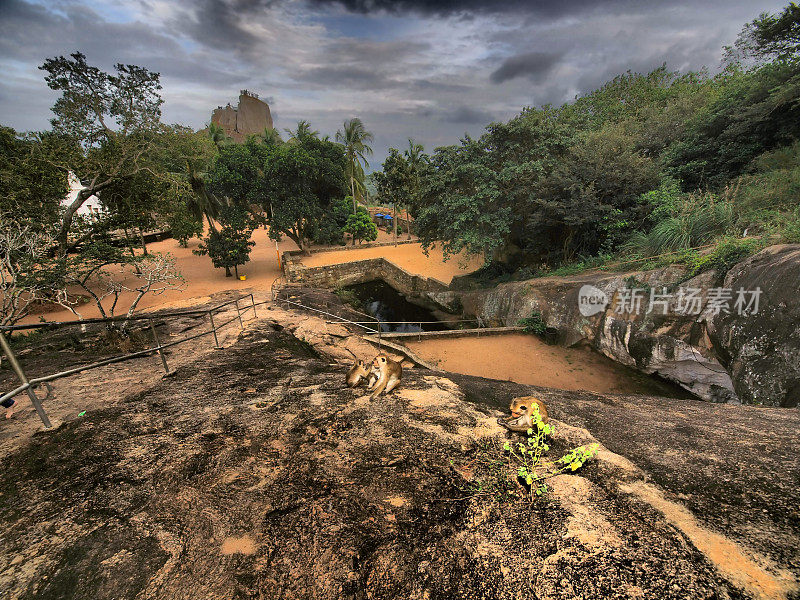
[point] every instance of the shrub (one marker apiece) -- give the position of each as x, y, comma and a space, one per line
533, 324
725, 255
681, 220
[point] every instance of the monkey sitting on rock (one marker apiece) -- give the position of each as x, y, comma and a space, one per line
388, 373
359, 373
523, 410
381, 375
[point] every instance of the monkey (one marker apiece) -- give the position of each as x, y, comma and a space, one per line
359, 373
389, 375
522, 411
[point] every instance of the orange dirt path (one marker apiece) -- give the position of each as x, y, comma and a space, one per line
406, 256
528, 360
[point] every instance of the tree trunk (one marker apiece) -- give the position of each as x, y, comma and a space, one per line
394, 210
141, 239
228, 272
211, 224
236, 268
66, 220
127, 241
353, 194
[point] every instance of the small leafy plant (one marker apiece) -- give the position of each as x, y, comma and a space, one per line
532, 470
533, 324
525, 460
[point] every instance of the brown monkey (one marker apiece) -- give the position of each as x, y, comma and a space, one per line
359, 373
522, 412
389, 375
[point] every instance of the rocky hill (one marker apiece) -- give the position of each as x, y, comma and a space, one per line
255, 473
250, 117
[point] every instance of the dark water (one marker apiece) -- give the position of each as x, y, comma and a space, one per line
382, 301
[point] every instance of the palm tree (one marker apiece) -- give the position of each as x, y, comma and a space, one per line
303, 132
415, 157
271, 136
201, 203
217, 135
354, 138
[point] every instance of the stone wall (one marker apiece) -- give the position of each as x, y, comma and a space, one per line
360, 271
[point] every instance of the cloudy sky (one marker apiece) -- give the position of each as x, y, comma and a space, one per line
408, 68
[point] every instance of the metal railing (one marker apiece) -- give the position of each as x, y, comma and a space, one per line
376, 325
29, 385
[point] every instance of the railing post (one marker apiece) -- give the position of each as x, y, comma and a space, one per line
158, 346
253, 300
24, 380
214, 330
239, 313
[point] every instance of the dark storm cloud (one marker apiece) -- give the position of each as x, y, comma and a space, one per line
533, 65
469, 115
219, 23
542, 8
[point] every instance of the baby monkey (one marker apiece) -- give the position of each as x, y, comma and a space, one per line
522, 413
359, 373
388, 373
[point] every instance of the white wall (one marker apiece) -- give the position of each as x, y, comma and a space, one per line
91, 207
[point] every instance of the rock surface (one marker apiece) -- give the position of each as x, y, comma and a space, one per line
721, 357
762, 352
253, 472
250, 117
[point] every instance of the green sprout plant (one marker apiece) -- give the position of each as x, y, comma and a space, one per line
532, 469
522, 470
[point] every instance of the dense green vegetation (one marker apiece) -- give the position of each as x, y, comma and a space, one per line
648, 164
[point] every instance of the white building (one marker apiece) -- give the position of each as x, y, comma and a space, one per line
91, 208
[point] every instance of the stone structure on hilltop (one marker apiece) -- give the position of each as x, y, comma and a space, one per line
250, 117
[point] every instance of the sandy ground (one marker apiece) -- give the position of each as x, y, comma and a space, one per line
202, 280
526, 359
407, 256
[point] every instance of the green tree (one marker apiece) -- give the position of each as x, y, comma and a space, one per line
31, 186
361, 227
329, 228
752, 112
770, 36
395, 182
182, 223
114, 120
293, 183
355, 138
134, 202
185, 156
231, 245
